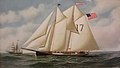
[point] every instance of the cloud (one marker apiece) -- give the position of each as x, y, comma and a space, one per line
103, 6
12, 34
9, 17
26, 14
31, 12
6, 31
107, 30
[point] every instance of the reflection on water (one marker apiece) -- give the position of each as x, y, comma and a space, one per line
111, 60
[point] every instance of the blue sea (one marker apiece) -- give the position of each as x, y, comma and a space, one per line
102, 60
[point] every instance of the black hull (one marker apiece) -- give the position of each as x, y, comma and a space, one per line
38, 53
55, 53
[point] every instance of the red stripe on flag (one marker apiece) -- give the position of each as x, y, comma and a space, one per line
92, 16
80, 3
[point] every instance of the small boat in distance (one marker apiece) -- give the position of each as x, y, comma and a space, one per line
14, 49
64, 33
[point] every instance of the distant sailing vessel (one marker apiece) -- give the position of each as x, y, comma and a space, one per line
63, 33
14, 49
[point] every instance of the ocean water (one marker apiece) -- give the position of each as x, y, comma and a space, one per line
103, 60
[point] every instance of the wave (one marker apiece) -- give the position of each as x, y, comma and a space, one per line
23, 61
112, 62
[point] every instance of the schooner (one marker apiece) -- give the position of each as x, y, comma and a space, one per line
63, 33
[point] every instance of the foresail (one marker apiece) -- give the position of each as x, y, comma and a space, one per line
84, 40
42, 29
39, 42
49, 38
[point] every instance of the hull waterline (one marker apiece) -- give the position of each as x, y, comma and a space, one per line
38, 53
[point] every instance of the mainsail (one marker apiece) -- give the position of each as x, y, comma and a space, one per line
72, 15
68, 31
84, 41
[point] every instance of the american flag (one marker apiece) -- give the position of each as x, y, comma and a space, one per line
91, 16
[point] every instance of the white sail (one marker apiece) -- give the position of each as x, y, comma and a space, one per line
69, 13
50, 33
77, 13
12, 47
49, 40
56, 37
58, 42
84, 41
67, 41
62, 34
59, 15
39, 42
42, 29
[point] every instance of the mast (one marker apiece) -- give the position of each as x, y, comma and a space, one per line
56, 37
77, 13
63, 33
72, 15
58, 42
49, 38
16, 47
84, 40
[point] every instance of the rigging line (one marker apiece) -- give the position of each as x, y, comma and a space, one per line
55, 11
89, 26
70, 30
41, 35
68, 40
62, 14
73, 19
91, 32
50, 26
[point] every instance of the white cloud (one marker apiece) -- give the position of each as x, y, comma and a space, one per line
11, 34
107, 30
103, 6
9, 17
31, 12
26, 14
115, 14
6, 31
103, 22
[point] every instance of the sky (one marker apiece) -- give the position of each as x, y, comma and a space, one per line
20, 18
